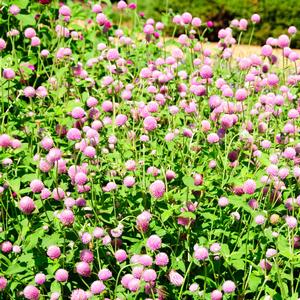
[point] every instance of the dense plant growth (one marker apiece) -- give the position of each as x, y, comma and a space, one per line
276, 15
135, 165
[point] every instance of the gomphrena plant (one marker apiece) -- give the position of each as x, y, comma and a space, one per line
137, 165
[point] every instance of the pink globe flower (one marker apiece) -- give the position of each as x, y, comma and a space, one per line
113, 54
283, 41
255, 18
67, 217
161, 259
120, 255
29, 33
143, 221
175, 278
216, 295
157, 189
6, 247
29, 92
126, 279
53, 252
206, 72
31, 292
79, 294
14, 9
292, 30
154, 242
223, 202
73, 134
40, 278
61, 275
78, 113
134, 285
129, 181
200, 253
260, 220
65, 11
291, 222
241, 94
150, 123
9, 74
149, 275
3, 283
47, 143
27, 205
228, 287
249, 187
97, 287
2, 44
213, 138
83, 269
145, 260
186, 18
104, 274
86, 256
36, 186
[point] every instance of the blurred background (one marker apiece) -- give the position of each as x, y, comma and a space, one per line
276, 15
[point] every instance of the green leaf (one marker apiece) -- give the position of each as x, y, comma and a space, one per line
14, 269
20, 3
55, 286
238, 264
53, 239
225, 250
166, 215
28, 177
188, 214
283, 246
240, 203
26, 20
254, 282
209, 216
15, 184
188, 181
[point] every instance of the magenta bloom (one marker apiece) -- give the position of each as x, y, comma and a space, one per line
83, 269
97, 287
149, 275
86, 255
249, 187
228, 287
67, 217
206, 72
154, 242
40, 278
216, 295
143, 220
157, 189
213, 138
3, 283
53, 252
31, 292
27, 205
112, 54
201, 253
73, 134
161, 259
8, 74
36, 186
79, 294
61, 275
120, 255
150, 123
175, 278
104, 274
